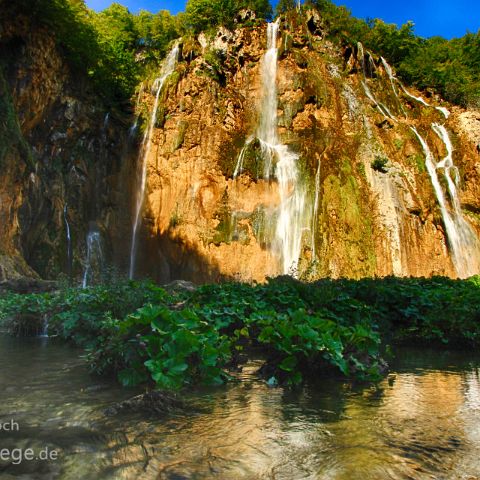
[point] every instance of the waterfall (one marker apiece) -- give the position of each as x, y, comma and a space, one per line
167, 69
134, 127
418, 99
105, 121
392, 79
69, 240
267, 127
463, 242
315, 210
442, 110
94, 254
291, 212
389, 71
239, 166
291, 217
382, 108
44, 332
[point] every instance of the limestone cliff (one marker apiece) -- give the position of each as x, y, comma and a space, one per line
60, 158
376, 211
370, 205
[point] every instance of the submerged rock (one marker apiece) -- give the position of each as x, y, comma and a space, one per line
154, 402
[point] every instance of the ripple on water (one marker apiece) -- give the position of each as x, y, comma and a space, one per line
420, 422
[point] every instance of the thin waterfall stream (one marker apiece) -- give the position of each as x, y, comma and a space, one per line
69, 240
463, 241
94, 256
167, 69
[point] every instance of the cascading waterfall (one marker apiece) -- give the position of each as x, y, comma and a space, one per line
167, 69
241, 157
94, 255
69, 240
381, 108
463, 242
393, 79
389, 71
291, 213
44, 332
106, 120
291, 216
134, 127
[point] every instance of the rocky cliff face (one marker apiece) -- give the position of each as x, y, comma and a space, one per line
61, 159
370, 205
374, 209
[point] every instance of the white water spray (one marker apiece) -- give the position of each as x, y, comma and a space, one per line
94, 255
134, 127
291, 215
69, 239
382, 108
463, 242
167, 69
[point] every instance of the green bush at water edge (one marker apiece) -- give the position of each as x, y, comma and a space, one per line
141, 332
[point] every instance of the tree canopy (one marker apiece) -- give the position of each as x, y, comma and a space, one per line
105, 46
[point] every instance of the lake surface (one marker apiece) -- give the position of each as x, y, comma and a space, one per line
421, 422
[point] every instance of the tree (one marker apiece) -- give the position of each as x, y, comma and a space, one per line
284, 6
202, 15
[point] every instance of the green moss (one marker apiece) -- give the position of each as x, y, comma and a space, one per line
350, 238
398, 143
418, 161
182, 126
263, 226
230, 150
225, 228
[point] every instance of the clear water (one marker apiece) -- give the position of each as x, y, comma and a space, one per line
422, 422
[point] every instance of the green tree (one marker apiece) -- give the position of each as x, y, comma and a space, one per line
284, 6
201, 15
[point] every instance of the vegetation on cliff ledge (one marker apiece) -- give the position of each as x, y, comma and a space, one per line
116, 48
180, 337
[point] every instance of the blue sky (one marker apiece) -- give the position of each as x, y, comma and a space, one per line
448, 18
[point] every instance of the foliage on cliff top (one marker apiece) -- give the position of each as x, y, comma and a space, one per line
451, 67
140, 331
201, 15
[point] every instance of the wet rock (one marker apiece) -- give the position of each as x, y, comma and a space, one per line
314, 23
245, 15
179, 285
155, 402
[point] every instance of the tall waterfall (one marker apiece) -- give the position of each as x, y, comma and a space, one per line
463, 242
94, 255
291, 215
167, 69
69, 240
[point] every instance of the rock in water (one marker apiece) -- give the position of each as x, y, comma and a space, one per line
155, 402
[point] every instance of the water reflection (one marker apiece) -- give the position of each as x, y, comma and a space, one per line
421, 422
